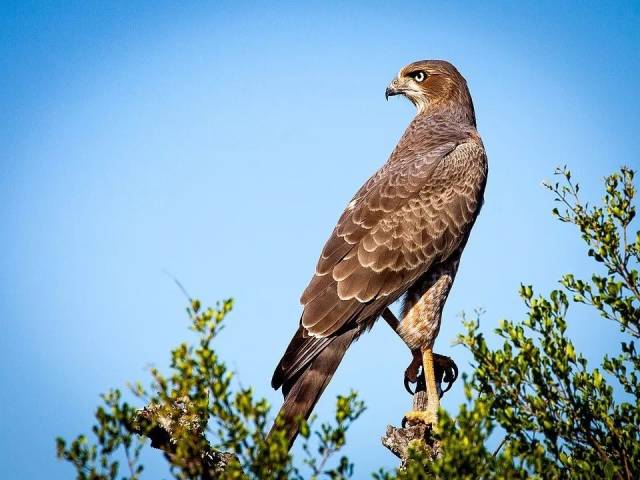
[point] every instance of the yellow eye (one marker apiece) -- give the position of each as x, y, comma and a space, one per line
419, 76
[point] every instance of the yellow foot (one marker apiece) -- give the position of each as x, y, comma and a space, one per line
445, 371
421, 416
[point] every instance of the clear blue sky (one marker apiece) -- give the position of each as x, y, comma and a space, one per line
221, 142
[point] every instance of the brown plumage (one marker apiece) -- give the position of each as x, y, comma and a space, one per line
403, 232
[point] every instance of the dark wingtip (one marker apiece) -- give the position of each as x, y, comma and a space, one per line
276, 380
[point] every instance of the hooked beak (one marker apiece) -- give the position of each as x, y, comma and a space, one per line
393, 89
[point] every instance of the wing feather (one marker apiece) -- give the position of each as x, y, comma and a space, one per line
414, 212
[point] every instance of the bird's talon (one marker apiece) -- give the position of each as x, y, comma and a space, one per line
419, 384
413, 373
446, 371
407, 386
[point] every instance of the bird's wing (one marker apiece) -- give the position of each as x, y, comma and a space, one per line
410, 214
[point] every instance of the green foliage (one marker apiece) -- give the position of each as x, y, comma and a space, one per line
97, 461
535, 407
332, 438
194, 414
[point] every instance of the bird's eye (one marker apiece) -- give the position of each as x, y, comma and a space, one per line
419, 76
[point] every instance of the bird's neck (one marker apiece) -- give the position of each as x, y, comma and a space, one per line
452, 111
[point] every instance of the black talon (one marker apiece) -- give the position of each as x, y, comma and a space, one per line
446, 371
407, 385
420, 383
450, 376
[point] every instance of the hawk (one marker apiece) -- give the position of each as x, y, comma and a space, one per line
402, 234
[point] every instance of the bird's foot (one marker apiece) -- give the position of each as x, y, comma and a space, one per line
427, 417
445, 369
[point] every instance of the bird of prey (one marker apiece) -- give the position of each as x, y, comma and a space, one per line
402, 234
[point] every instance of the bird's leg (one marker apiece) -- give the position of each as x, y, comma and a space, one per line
391, 319
444, 367
412, 372
430, 414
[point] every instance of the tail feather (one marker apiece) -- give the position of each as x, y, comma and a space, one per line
304, 389
301, 351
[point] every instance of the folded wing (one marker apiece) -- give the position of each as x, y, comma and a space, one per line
411, 214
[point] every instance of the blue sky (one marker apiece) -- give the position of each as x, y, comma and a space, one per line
221, 142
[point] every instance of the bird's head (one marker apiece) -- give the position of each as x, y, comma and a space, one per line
431, 85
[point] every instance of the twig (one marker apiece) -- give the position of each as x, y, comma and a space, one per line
504, 440
177, 282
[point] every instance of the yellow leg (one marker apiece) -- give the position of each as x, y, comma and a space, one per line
430, 415
433, 398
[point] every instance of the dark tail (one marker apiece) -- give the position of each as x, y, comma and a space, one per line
303, 390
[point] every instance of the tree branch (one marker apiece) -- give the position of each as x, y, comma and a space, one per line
160, 427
